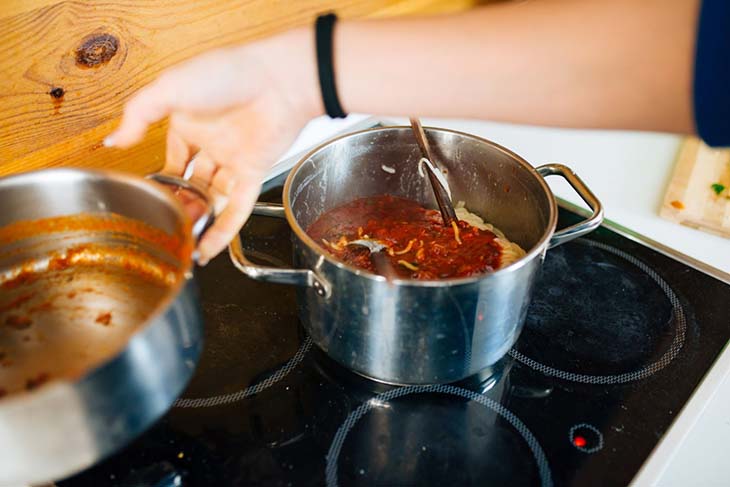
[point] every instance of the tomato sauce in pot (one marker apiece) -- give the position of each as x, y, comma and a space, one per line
419, 245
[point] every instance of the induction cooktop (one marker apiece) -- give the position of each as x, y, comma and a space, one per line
617, 338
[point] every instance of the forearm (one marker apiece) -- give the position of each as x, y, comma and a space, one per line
604, 64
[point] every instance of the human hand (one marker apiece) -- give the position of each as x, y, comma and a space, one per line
238, 109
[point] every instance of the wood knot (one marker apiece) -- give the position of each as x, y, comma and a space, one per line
57, 93
96, 49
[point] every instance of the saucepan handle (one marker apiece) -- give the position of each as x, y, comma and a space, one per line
581, 228
207, 217
297, 277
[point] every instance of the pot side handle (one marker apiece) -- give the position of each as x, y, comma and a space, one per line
591, 223
206, 219
297, 277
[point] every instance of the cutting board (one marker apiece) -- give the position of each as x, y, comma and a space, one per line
691, 199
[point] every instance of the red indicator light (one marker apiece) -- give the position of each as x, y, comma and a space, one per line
579, 441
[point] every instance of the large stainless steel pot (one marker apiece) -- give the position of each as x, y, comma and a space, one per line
109, 381
407, 331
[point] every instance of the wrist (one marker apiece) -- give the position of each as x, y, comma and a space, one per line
295, 70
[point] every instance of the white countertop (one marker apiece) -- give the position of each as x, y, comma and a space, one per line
628, 172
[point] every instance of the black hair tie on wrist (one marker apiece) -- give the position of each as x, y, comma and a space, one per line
323, 32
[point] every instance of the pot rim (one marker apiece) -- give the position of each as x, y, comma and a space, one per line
171, 294
536, 249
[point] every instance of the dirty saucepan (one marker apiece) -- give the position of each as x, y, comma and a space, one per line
99, 322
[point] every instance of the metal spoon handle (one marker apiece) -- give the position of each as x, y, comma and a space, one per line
442, 197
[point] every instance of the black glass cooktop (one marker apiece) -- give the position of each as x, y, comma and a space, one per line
617, 338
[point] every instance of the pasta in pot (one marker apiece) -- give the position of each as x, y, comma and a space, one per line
416, 242
511, 252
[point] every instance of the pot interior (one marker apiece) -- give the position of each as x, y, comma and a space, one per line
494, 183
85, 260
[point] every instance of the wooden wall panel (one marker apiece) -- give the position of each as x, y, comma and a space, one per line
66, 67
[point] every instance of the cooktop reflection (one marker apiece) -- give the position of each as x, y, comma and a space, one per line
617, 338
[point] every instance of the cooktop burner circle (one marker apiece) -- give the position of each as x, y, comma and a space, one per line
568, 293
276, 376
331, 469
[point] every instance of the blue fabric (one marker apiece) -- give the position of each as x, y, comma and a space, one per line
712, 73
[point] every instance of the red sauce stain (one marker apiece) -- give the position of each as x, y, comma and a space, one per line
61, 263
423, 248
677, 204
18, 322
108, 222
71, 295
104, 318
44, 306
17, 302
37, 381
178, 245
26, 276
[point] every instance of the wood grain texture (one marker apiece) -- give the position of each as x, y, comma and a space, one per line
56, 112
690, 199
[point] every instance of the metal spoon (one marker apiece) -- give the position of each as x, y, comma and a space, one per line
374, 246
442, 196
378, 257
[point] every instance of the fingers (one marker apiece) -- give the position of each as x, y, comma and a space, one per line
196, 130
205, 168
187, 132
217, 237
185, 137
223, 181
149, 105
221, 187
178, 153
211, 83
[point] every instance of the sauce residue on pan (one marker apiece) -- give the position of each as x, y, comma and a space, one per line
74, 289
104, 318
95, 255
105, 222
18, 322
420, 246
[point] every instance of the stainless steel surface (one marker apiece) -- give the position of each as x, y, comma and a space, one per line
586, 226
407, 331
208, 215
111, 378
297, 277
269, 209
378, 257
372, 245
443, 199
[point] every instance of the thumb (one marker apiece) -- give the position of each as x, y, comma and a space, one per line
149, 105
